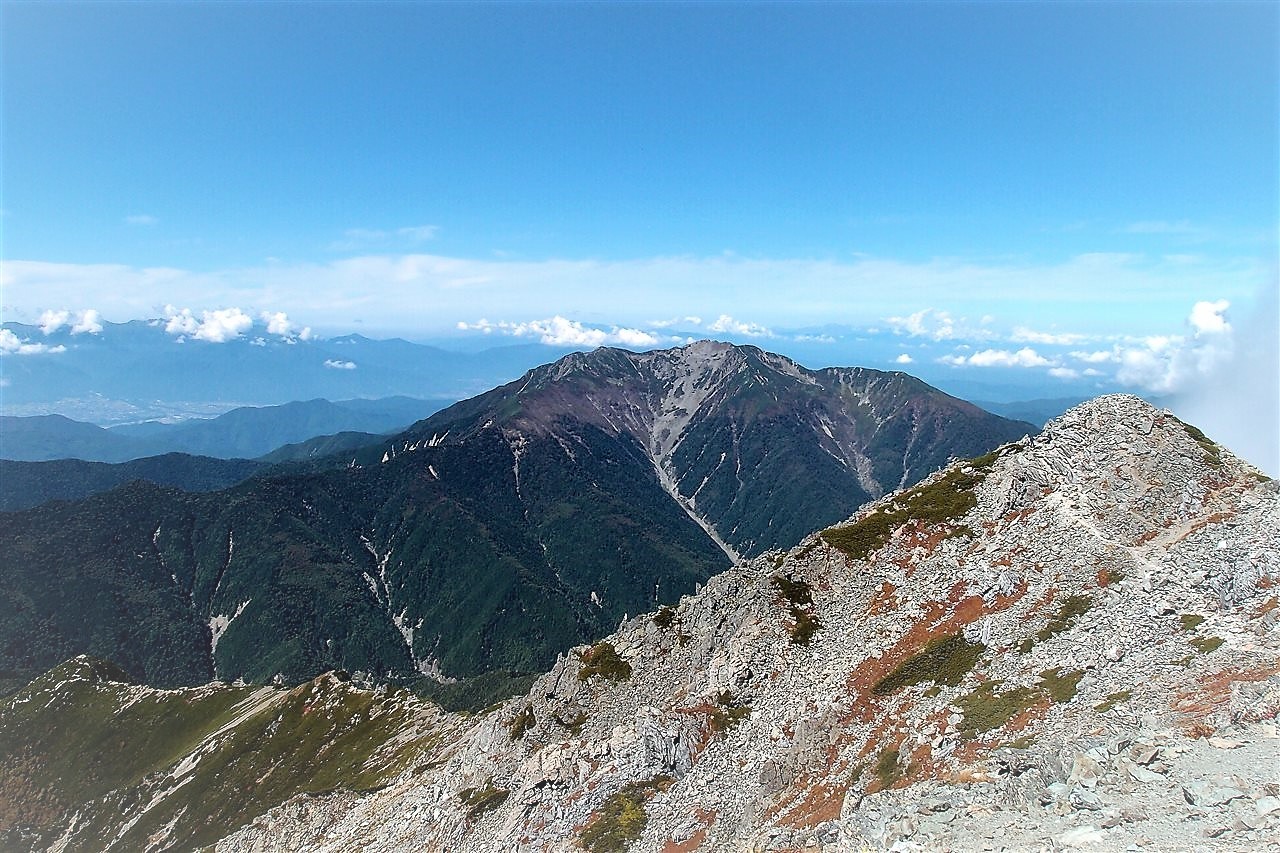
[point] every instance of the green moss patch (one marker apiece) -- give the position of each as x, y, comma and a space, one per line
1190, 621
944, 660
1061, 683
1069, 611
986, 708
1212, 453
522, 722
888, 769
799, 598
603, 660
622, 818
482, 800
1113, 700
941, 501
729, 713
1204, 645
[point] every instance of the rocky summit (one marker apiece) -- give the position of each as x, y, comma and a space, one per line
1071, 642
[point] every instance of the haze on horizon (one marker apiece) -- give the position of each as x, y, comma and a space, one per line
1080, 197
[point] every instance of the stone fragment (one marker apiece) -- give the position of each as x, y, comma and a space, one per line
1081, 836
1267, 805
1205, 793
1225, 743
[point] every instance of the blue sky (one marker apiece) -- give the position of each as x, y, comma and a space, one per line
977, 187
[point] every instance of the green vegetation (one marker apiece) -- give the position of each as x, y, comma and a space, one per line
728, 714
887, 768
1024, 742
985, 709
1061, 683
76, 740
473, 694
482, 800
941, 501
1113, 700
1190, 621
1204, 645
665, 617
799, 598
988, 708
574, 722
944, 660
1212, 453
603, 660
1070, 610
622, 818
1026, 645
795, 592
1108, 576
522, 722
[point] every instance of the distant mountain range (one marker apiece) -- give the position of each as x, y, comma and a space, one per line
243, 433
137, 370
488, 537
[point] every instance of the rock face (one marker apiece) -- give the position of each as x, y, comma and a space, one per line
1072, 642
757, 449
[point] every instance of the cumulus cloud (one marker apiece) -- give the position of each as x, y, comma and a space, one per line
1166, 364
559, 331
927, 323
339, 365
11, 344
1025, 357
89, 322
86, 322
51, 321
216, 327
1235, 396
1064, 373
726, 324
278, 323
904, 358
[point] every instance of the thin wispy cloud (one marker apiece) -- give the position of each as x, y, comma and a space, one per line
356, 239
141, 219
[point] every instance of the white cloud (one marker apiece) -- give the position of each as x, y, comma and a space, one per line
89, 322
727, 324
50, 321
1096, 357
1208, 317
1025, 357
1023, 335
141, 219
360, 238
927, 323
339, 365
277, 323
86, 322
11, 344
814, 339
904, 358
216, 327
419, 232
559, 331
1063, 373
